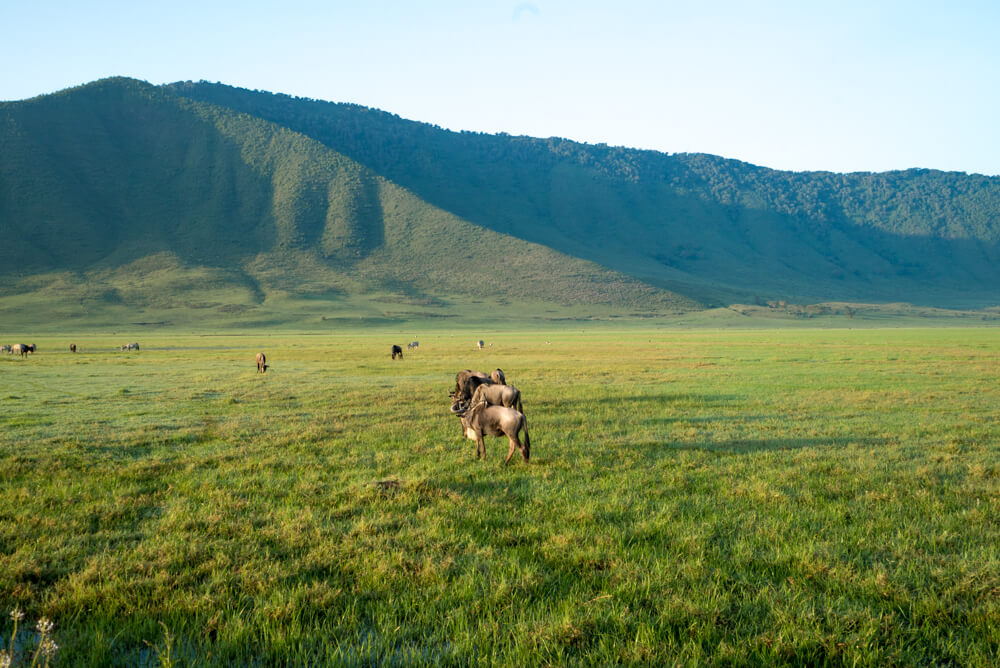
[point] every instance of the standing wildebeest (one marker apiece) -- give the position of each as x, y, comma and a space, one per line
261, 363
479, 344
498, 377
466, 382
498, 395
482, 419
397, 350
412, 345
72, 347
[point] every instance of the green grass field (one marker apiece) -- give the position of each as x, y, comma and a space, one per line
764, 497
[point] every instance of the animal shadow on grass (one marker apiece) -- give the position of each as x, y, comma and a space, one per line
652, 401
490, 488
742, 446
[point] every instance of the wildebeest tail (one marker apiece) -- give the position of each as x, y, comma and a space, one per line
527, 439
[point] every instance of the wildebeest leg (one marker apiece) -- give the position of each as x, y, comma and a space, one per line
514, 445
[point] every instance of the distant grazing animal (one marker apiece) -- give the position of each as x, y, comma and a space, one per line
498, 395
72, 347
412, 345
396, 350
130, 346
480, 344
5, 349
19, 349
498, 377
485, 420
261, 363
466, 382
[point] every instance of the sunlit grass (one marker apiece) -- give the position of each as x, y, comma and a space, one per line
696, 497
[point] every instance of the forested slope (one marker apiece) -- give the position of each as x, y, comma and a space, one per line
698, 223
123, 196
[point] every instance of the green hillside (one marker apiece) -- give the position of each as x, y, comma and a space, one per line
703, 225
123, 202
201, 204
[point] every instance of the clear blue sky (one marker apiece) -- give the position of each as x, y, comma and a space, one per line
839, 85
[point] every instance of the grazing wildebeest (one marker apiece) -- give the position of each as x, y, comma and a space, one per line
466, 382
498, 377
479, 344
72, 347
397, 350
261, 363
482, 420
412, 345
498, 395
19, 349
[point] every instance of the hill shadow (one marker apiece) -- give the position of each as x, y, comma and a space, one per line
686, 222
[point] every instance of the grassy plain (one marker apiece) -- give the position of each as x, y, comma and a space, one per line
694, 497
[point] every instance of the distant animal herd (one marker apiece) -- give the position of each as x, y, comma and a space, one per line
485, 404
23, 349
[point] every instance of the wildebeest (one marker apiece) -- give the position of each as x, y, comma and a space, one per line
484, 420
466, 382
21, 349
479, 344
497, 377
498, 395
72, 347
261, 363
397, 350
413, 344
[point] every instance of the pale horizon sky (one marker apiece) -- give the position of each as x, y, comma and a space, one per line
836, 86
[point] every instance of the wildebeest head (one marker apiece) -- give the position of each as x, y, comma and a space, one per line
467, 413
466, 382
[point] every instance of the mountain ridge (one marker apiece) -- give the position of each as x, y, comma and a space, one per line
744, 206
260, 212
235, 184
